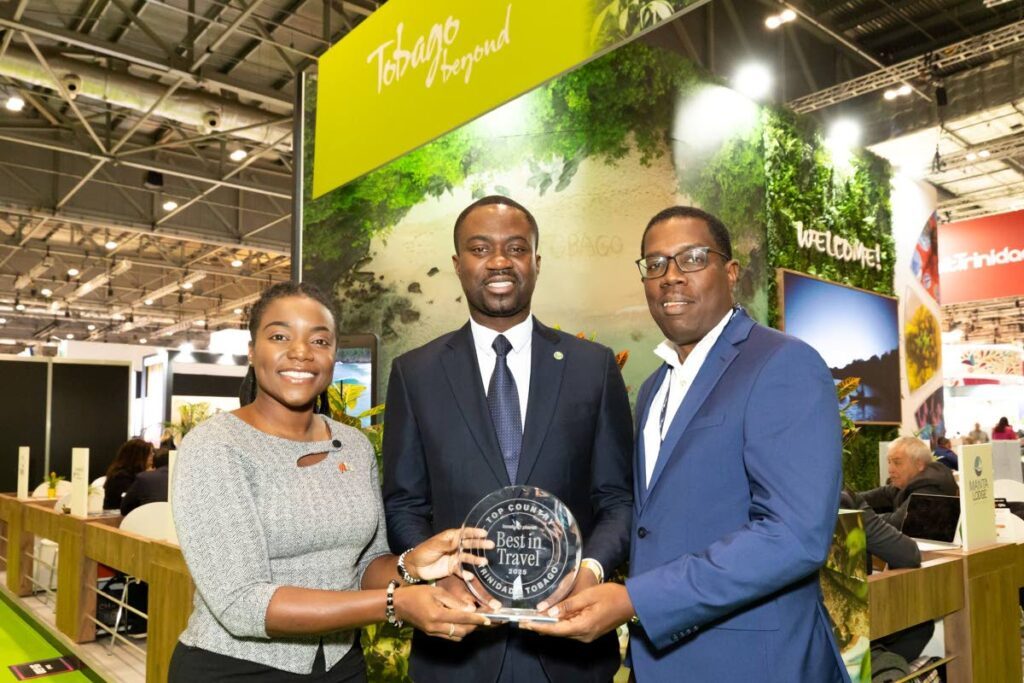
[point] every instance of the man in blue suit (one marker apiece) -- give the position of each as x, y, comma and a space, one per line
736, 487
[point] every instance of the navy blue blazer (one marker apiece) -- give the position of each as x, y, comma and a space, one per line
441, 456
738, 518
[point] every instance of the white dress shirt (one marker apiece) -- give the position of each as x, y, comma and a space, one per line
519, 359
676, 384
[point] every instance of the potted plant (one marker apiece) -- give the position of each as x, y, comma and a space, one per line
51, 484
190, 415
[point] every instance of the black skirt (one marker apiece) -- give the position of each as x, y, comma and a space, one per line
193, 664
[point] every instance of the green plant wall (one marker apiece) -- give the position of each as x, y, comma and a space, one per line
803, 183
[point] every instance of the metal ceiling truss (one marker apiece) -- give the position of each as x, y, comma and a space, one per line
986, 46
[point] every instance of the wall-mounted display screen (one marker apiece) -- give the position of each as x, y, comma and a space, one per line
855, 331
355, 367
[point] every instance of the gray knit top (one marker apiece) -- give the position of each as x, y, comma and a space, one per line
249, 520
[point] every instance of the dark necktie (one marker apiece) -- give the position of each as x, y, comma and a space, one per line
503, 401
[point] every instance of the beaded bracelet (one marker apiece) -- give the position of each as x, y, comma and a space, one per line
389, 606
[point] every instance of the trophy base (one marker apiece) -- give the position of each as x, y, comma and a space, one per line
510, 614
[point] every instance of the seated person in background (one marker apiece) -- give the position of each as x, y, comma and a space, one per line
132, 458
978, 435
1003, 431
167, 440
911, 470
149, 486
898, 551
945, 454
885, 541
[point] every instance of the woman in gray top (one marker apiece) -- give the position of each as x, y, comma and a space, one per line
279, 515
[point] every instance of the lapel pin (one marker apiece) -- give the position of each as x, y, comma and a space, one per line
559, 355
343, 467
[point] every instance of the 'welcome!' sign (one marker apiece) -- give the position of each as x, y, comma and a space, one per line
415, 70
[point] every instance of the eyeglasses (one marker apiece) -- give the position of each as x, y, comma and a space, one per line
688, 261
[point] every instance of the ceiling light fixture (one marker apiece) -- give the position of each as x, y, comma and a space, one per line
238, 154
14, 103
90, 327
774, 21
753, 80
111, 245
143, 341
971, 156
984, 154
170, 205
73, 272
148, 302
238, 311
3, 321
69, 336
237, 263
46, 291
186, 285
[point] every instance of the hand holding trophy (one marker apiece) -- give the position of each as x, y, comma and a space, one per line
535, 555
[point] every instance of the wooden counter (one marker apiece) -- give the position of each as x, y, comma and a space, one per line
985, 635
898, 598
84, 543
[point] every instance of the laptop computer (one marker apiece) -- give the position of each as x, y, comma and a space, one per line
932, 521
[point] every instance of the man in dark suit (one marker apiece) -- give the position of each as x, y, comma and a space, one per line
738, 470
506, 400
149, 486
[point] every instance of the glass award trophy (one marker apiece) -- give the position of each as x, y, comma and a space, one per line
536, 553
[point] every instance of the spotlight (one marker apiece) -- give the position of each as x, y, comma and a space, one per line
90, 327
238, 154
111, 245
844, 133
3, 321
890, 94
14, 103
148, 302
170, 205
154, 180
984, 154
904, 90
69, 336
776, 20
186, 285
46, 291
18, 306
143, 341
237, 263
237, 311
73, 272
971, 156
753, 80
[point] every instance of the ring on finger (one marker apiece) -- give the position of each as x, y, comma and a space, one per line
451, 629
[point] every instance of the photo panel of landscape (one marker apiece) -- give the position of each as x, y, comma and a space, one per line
855, 331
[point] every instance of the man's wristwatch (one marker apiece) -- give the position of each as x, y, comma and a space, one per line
403, 572
594, 566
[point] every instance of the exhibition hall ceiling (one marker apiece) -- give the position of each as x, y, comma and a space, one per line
146, 161
151, 157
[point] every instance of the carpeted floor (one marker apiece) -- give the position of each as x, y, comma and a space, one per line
20, 643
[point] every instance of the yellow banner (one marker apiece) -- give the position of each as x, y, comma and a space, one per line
415, 70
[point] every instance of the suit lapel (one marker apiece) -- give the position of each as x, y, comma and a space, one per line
545, 382
715, 365
643, 411
460, 365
